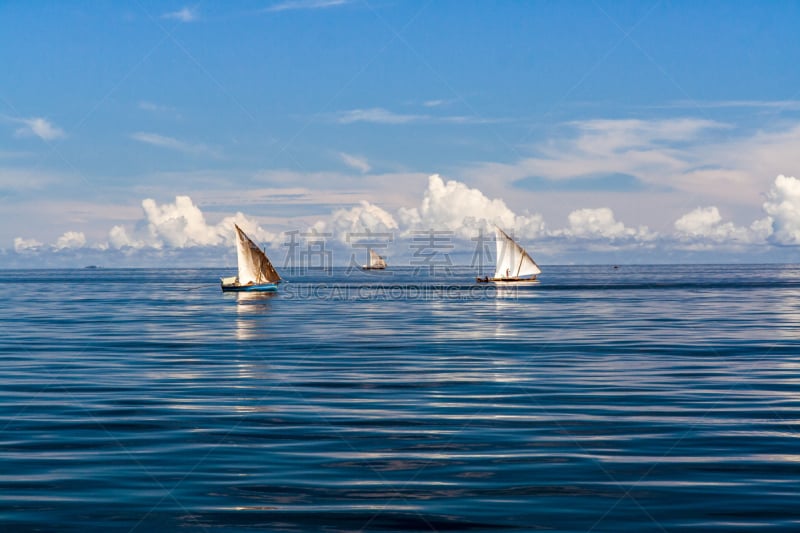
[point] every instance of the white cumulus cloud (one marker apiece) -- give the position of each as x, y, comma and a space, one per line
26, 245
451, 205
71, 239
783, 209
182, 225
118, 238
703, 222
705, 225
600, 223
454, 206
360, 219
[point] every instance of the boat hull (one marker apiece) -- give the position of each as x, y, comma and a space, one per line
372, 268
263, 287
507, 280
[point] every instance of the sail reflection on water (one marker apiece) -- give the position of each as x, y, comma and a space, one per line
252, 312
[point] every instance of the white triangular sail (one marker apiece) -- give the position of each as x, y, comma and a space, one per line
376, 261
254, 266
512, 260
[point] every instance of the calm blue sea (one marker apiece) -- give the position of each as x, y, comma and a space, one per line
638, 398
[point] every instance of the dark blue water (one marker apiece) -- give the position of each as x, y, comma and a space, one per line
654, 398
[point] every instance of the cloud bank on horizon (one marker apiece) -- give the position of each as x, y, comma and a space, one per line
450, 206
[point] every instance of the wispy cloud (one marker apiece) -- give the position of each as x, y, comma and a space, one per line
786, 105
379, 115
4, 154
150, 106
171, 143
437, 103
376, 115
658, 152
670, 166
358, 163
159, 109
290, 5
38, 127
16, 179
463, 119
187, 14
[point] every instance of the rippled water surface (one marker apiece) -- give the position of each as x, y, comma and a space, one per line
655, 398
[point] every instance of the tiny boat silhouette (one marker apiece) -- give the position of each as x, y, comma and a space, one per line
376, 262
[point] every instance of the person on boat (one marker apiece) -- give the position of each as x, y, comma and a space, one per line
508, 272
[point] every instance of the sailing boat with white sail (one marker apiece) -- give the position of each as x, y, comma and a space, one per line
256, 273
376, 262
514, 264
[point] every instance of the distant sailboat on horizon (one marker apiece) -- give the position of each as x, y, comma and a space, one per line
255, 273
513, 264
376, 262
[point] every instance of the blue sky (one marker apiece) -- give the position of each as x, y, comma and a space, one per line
137, 132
